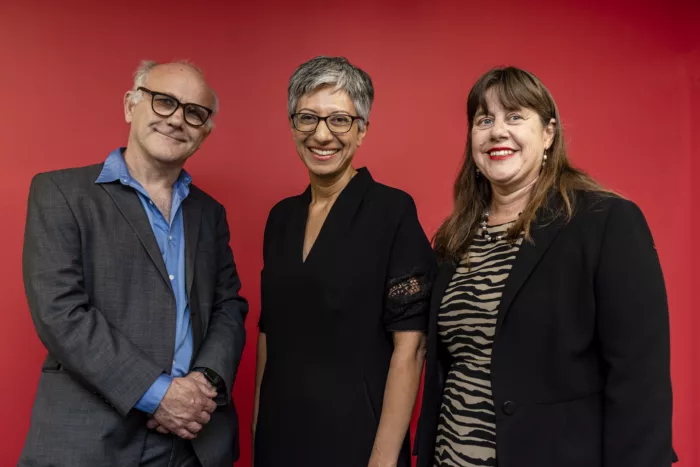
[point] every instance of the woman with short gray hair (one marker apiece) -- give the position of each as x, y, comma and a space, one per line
345, 288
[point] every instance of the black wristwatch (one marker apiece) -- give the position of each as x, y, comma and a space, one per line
211, 376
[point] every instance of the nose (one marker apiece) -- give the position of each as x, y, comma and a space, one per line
499, 130
177, 118
323, 133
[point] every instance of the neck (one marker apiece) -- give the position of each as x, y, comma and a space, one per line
508, 203
326, 189
149, 172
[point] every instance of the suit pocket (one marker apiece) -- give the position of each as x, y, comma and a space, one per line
51, 365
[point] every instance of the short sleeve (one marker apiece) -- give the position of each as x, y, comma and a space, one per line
412, 267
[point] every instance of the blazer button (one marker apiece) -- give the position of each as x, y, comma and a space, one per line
508, 407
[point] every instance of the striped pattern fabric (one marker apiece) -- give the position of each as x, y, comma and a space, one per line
466, 326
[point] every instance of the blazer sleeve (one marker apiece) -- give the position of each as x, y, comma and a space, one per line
412, 268
633, 327
223, 344
73, 331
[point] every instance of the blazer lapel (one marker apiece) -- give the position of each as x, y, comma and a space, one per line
129, 205
543, 232
192, 215
442, 280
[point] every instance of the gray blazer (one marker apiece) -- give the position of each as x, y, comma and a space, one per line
102, 304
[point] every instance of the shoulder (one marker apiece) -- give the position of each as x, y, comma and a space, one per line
591, 205
390, 198
599, 215
282, 208
77, 177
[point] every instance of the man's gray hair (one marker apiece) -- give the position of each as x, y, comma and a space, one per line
141, 76
332, 71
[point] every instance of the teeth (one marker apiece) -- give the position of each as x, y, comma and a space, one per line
321, 152
507, 152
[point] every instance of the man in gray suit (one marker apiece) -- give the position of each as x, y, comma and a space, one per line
134, 292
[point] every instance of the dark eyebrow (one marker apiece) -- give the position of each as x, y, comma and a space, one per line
183, 103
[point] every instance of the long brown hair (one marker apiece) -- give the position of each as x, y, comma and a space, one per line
515, 89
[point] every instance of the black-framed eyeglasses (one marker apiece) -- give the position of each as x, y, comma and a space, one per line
166, 105
336, 123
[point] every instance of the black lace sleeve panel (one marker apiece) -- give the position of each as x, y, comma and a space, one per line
412, 267
408, 302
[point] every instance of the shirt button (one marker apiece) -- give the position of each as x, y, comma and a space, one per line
170, 237
171, 277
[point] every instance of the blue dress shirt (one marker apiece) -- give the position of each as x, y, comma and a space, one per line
171, 241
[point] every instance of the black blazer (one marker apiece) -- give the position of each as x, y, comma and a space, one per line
580, 367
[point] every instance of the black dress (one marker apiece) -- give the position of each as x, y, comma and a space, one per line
329, 322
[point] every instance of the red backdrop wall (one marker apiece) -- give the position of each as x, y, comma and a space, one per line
627, 82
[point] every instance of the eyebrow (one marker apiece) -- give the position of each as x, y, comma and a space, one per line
306, 110
179, 100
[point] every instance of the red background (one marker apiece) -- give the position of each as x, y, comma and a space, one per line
626, 79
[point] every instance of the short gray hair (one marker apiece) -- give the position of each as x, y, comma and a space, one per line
141, 75
332, 71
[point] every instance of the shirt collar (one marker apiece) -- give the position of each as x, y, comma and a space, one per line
115, 169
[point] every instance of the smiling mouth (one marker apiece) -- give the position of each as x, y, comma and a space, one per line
170, 136
499, 154
323, 154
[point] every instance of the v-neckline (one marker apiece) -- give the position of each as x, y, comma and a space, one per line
344, 197
320, 230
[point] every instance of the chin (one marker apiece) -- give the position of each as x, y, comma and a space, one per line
166, 157
324, 169
167, 151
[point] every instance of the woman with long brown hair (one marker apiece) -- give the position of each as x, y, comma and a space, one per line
548, 341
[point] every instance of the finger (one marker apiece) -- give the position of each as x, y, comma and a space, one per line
198, 377
203, 417
152, 424
184, 434
162, 430
193, 427
209, 406
207, 389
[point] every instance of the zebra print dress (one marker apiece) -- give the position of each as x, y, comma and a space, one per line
466, 326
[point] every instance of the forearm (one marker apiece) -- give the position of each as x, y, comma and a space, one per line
150, 401
225, 336
399, 399
88, 346
222, 347
99, 356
